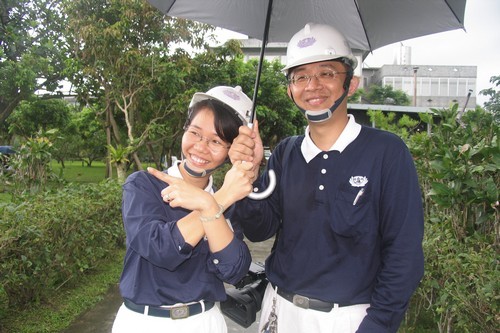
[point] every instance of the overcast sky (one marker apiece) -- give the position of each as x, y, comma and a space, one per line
478, 46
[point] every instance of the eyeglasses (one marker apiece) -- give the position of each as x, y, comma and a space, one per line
214, 145
323, 77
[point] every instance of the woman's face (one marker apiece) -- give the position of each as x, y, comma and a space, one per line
203, 149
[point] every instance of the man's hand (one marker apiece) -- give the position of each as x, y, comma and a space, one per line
247, 146
238, 182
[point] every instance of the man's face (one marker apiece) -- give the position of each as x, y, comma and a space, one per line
318, 85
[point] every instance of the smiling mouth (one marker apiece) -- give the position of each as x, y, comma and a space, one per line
316, 101
198, 161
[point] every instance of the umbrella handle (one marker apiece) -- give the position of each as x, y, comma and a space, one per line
272, 183
267, 192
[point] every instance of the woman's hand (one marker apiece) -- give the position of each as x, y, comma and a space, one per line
179, 193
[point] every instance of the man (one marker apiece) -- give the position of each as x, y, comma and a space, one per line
347, 206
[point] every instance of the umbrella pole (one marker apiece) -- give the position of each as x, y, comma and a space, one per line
261, 60
272, 177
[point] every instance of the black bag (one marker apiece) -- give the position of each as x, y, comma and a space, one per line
244, 301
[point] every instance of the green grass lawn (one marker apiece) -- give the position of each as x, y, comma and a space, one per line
4, 197
73, 171
76, 171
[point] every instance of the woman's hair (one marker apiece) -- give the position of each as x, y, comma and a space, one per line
226, 121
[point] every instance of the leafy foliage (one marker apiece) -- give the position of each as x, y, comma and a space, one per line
493, 104
458, 165
403, 125
32, 51
36, 115
75, 227
385, 95
31, 164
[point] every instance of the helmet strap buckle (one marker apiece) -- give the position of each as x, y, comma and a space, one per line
318, 116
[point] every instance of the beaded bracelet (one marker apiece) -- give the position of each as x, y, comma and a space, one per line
212, 218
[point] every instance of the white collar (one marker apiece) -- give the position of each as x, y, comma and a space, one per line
348, 135
174, 171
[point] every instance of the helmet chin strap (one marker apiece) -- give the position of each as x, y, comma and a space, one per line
322, 115
204, 173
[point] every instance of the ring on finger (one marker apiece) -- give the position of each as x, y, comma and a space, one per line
167, 197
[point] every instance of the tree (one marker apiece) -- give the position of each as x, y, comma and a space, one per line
121, 50
90, 138
493, 105
356, 97
385, 95
32, 52
39, 115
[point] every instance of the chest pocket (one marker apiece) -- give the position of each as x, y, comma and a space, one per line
351, 212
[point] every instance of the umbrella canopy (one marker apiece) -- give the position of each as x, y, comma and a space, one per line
367, 24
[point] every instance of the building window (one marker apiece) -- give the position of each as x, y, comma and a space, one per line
453, 88
443, 87
462, 87
471, 84
397, 83
425, 86
408, 86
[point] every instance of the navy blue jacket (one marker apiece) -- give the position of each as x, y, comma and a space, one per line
160, 268
333, 246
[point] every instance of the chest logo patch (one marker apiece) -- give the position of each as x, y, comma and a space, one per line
358, 181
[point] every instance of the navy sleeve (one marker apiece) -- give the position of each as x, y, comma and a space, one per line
150, 223
232, 263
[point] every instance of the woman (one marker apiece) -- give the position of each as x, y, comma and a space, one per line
180, 247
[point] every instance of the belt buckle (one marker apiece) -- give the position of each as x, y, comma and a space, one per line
179, 311
301, 301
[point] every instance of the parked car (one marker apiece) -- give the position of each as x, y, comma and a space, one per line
5, 154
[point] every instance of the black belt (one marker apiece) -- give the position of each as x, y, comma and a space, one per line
309, 303
173, 311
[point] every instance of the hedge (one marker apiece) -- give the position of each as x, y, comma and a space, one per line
49, 238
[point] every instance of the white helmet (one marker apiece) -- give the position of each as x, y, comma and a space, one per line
232, 97
317, 42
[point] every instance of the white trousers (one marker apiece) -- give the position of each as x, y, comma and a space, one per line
293, 319
128, 321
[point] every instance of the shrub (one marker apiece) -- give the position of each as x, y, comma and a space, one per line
48, 238
460, 285
458, 165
